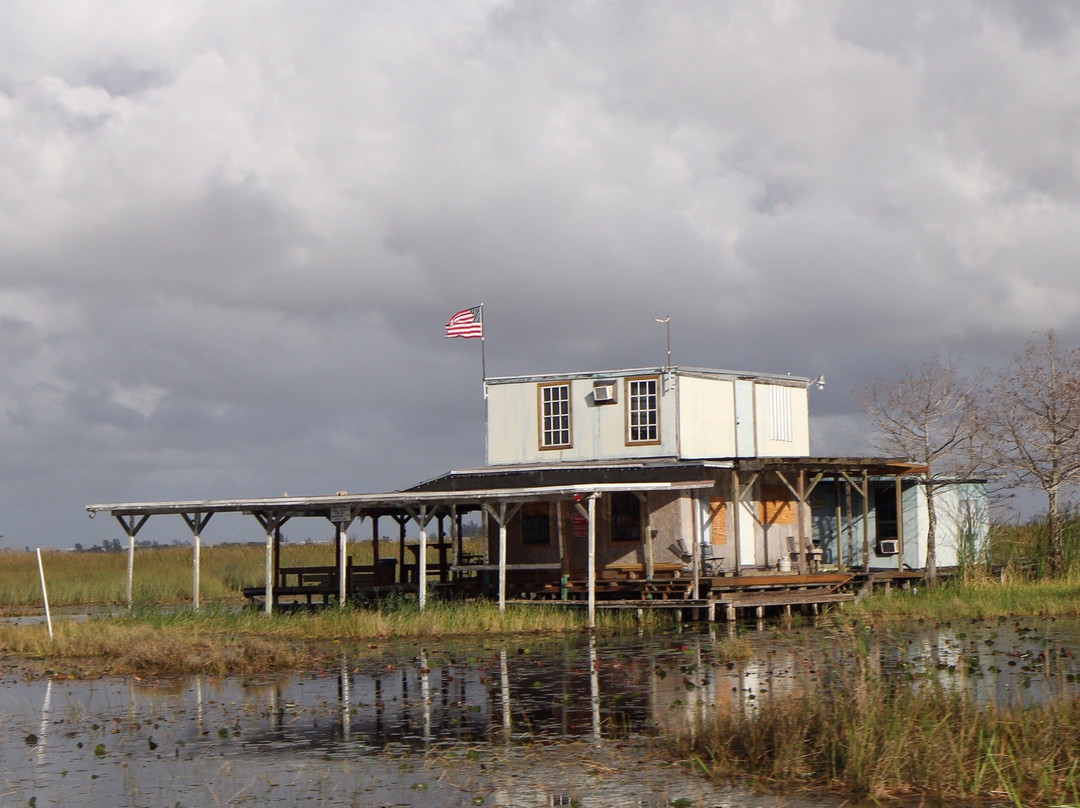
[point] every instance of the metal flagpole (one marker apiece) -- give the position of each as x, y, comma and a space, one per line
483, 358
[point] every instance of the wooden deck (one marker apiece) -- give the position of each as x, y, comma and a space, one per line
752, 595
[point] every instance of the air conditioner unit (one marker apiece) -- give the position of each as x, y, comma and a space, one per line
888, 546
604, 392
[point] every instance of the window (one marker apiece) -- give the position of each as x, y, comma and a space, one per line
625, 517
555, 416
536, 523
642, 410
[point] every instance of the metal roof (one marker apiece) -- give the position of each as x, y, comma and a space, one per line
708, 373
396, 501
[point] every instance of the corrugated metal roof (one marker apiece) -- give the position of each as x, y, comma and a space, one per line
707, 373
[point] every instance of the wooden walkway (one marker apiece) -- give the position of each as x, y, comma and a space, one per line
752, 595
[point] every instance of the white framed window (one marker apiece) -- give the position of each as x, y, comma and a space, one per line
643, 410
780, 401
555, 432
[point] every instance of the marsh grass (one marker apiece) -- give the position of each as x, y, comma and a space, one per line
229, 641
162, 575
978, 598
868, 735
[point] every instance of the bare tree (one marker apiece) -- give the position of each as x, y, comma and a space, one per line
1033, 422
929, 415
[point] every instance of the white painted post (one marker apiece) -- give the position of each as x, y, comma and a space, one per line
268, 607
502, 557
592, 560
421, 571
130, 570
342, 562
44, 593
196, 542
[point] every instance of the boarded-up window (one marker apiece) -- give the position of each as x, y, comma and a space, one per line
780, 401
777, 505
718, 520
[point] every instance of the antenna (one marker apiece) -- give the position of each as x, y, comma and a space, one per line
667, 322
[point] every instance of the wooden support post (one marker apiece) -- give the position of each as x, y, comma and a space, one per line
375, 544
343, 570
590, 514
560, 533
458, 540
422, 517
695, 543
196, 522
736, 512
402, 520
502, 556
131, 525
899, 523
802, 517
502, 516
866, 521
421, 559
442, 549
648, 562
838, 524
271, 524
455, 534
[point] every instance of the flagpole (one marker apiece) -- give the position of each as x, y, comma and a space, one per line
483, 358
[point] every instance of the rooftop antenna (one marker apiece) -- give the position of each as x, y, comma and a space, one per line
819, 383
667, 323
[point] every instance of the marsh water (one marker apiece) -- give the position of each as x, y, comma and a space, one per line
532, 722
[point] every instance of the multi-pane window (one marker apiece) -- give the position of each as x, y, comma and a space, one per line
642, 410
554, 416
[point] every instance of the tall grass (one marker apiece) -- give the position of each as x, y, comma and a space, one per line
162, 575
1023, 550
980, 598
863, 733
231, 641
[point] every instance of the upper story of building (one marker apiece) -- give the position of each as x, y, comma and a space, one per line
684, 413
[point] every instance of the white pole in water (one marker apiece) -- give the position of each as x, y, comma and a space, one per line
44, 593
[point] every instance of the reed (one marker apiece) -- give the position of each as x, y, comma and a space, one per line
162, 575
865, 734
978, 598
230, 641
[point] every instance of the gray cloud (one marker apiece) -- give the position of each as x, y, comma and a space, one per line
230, 234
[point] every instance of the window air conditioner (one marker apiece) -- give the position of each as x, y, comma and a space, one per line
888, 546
604, 393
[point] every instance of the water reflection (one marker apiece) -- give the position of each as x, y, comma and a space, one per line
570, 706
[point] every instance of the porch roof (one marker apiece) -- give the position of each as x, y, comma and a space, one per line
873, 466
397, 502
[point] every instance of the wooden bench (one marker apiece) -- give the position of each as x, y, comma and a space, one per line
632, 571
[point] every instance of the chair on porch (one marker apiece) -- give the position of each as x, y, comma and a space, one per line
680, 548
710, 564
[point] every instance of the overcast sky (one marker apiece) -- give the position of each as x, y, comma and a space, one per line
231, 233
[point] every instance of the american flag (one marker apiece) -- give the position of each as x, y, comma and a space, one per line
467, 323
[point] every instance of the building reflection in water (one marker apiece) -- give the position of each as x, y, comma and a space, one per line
581, 688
